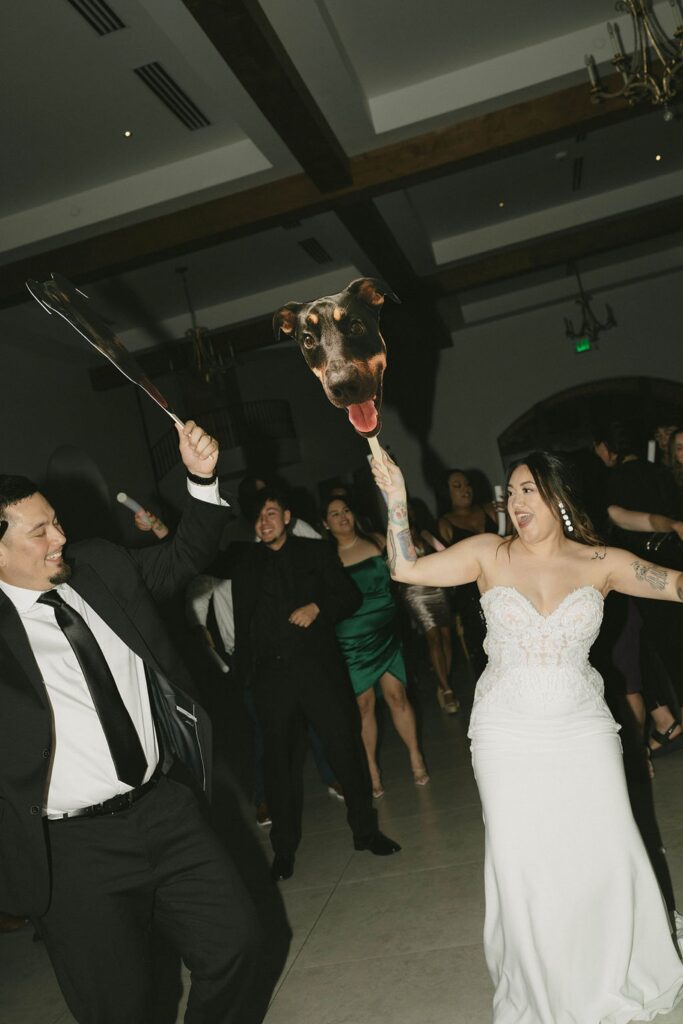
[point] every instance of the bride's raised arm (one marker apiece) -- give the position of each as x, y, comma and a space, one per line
458, 564
637, 577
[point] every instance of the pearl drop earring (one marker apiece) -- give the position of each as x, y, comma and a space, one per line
565, 516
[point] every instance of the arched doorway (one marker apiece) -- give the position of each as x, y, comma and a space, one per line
565, 420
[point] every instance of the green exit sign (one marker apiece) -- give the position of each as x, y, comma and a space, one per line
582, 345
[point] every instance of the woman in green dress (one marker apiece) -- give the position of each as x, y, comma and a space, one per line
369, 640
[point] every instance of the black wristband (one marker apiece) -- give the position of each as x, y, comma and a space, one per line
203, 481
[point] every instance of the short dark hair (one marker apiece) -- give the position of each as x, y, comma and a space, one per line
620, 437
268, 493
13, 489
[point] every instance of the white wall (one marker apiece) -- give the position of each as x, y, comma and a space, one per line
496, 371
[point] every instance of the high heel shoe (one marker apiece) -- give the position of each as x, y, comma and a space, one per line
420, 776
377, 787
448, 702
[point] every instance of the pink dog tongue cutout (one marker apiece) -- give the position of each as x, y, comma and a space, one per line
363, 416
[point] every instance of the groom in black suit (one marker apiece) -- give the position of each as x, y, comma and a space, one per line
95, 836
288, 593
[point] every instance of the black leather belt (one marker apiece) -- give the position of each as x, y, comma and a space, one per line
114, 805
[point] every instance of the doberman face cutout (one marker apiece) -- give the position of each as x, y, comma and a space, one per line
340, 340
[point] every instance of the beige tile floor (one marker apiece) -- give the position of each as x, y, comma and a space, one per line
392, 940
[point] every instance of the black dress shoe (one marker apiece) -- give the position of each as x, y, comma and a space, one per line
376, 843
282, 866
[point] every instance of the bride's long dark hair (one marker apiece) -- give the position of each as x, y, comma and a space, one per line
555, 482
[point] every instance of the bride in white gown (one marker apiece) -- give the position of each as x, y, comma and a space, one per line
576, 930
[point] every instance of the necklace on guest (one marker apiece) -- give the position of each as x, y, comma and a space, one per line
345, 547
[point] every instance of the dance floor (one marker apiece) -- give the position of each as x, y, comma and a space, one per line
375, 940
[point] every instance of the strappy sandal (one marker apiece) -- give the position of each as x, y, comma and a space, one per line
448, 702
667, 745
421, 775
377, 788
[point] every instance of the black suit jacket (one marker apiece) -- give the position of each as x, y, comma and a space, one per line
122, 587
317, 576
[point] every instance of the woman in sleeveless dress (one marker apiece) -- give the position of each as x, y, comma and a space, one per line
370, 643
430, 612
576, 930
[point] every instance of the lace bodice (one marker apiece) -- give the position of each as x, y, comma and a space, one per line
538, 664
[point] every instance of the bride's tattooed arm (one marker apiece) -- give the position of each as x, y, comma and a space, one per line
664, 581
400, 547
639, 578
652, 574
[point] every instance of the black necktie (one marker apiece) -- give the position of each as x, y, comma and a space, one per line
125, 747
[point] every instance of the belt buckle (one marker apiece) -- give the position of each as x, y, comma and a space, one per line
114, 804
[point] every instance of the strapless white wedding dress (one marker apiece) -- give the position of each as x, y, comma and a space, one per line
576, 930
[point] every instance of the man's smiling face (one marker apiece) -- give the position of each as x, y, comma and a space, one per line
32, 545
271, 524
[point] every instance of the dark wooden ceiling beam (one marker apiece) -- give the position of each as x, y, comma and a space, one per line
369, 229
631, 228
537, 254
244, 37
443, 151
247, 42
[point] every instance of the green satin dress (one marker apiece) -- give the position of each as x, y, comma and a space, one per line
368, 639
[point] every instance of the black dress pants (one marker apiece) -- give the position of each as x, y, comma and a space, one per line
287, 693
112, 875
662, 626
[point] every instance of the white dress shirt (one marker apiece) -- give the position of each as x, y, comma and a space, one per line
82, 771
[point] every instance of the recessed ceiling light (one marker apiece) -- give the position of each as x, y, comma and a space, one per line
501, 203
658, 157
127, 134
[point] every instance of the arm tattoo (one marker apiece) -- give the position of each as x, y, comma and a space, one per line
651, 574
398, 513
679, 591
407, 548
391, 553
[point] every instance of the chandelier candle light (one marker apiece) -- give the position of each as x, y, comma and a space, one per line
653, 70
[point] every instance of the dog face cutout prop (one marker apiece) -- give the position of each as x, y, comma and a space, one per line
340, 340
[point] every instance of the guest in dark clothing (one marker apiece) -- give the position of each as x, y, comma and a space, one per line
288, 592
676, 460
465, 519
641, 498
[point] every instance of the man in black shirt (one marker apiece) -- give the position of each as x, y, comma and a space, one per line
288, 593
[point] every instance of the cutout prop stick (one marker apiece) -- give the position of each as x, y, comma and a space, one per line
340, 340
59, 296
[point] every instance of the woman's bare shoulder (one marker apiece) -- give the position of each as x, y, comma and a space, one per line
485, 545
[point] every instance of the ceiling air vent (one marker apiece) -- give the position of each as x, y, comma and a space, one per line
313, 248
99, 15
171, 95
